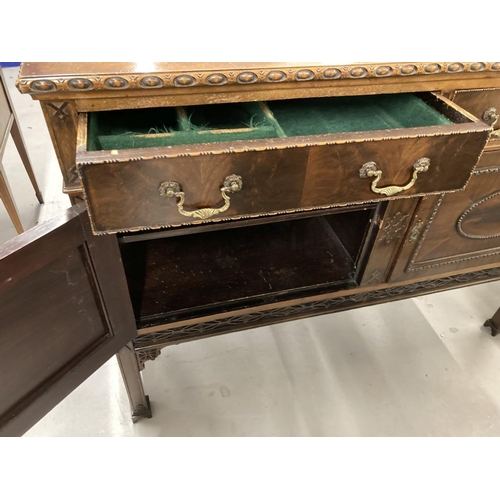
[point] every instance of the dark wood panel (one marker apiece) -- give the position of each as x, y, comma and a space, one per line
65, 310
463, 216
457, 231
62, 232
41, 330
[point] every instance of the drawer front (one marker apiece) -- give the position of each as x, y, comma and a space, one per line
485, 104
333, 171
127, 196
136, 189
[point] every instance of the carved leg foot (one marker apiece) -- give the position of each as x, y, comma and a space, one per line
495, 330
494, 324
141, 411
129, 366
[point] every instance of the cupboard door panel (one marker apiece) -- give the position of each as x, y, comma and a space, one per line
65, 310
453, 232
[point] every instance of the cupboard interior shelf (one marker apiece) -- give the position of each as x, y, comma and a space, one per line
193, 275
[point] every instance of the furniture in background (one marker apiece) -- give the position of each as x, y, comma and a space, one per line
215, 197
9, 124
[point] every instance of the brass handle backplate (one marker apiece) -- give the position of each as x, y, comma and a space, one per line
490, 116
232, 184
370, 169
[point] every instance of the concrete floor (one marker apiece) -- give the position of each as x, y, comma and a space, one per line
417, 367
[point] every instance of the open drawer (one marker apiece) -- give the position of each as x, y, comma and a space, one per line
161, 167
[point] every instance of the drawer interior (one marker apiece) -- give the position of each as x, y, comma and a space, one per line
157, 127
194, 275
332, 115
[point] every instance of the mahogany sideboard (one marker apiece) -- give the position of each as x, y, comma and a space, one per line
214, 197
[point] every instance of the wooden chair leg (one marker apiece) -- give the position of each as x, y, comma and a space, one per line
494, 323
23, 153
8, 201
129, 366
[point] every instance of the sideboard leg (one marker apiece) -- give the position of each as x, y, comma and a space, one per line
129, 366
494, 323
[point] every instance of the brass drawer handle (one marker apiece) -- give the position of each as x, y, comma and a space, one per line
490, 116
232, 184
369, 169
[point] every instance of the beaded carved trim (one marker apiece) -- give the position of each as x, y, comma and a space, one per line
141, 81
325, 306
468, 211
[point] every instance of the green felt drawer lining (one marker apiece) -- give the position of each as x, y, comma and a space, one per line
157, 127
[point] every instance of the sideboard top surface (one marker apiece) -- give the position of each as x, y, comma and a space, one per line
79, 79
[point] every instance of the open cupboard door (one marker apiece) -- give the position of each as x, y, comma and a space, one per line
64, 309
